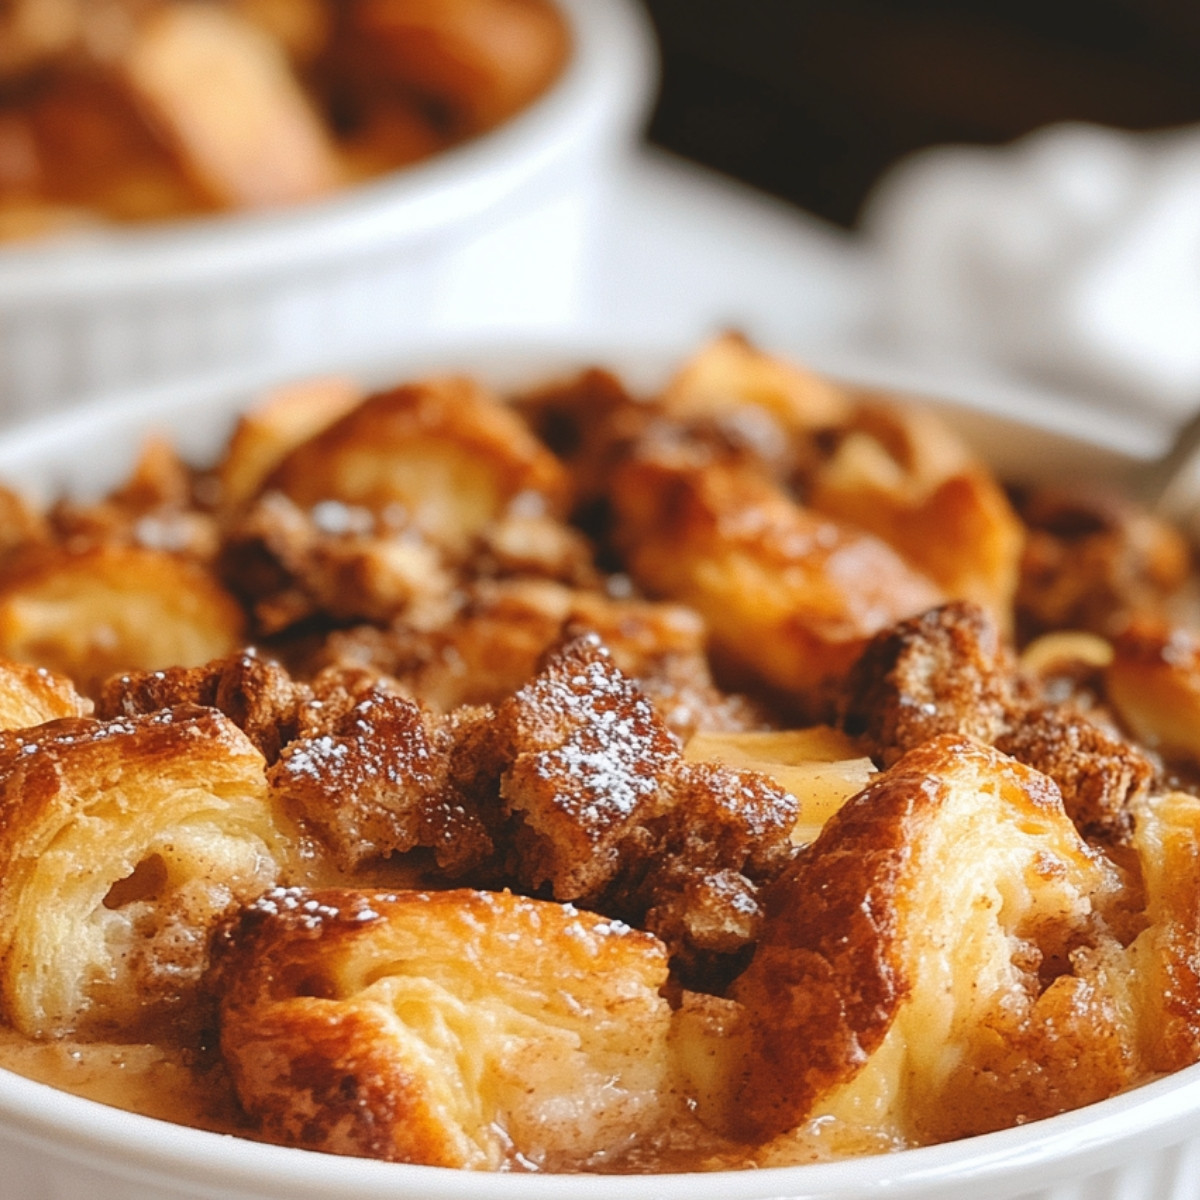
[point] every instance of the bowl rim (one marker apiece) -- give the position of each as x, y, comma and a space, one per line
130, 1147
603, 95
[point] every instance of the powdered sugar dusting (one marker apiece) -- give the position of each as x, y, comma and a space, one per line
615, 748
316, 758
280, 900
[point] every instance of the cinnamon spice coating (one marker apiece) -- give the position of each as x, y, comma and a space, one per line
455, 1028
379, 780
121, 843
608, 813
256, 693
948, 671
599, 781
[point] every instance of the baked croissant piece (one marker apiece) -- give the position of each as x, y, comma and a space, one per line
30, 695
940, 962
121, 844
902, 475
112, 608
789, 596
1159, 970
457, 1028
445, 453
899, 473
1152, 679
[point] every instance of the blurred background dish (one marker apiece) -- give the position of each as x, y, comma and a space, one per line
491, 226
761, 199
143, 110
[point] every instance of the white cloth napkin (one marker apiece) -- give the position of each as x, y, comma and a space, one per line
1071, 257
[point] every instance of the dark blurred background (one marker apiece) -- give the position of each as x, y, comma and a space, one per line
811, 99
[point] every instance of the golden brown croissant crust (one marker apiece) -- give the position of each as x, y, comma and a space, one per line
443, 1027
929, 912
587, 781
121, 843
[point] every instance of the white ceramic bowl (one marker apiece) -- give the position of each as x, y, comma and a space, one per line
491, 233
1144, 1145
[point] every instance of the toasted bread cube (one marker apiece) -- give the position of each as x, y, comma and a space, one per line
820, 767
277, 424
334, 560
946, 670
730, 376
1095, 558
787, 594
222, 92
445, 452
121, 843
113, 608
377, 781
154, 508
935, 965
254, 692
902, 475
32, 695
460, 1028
591, 760
608, 813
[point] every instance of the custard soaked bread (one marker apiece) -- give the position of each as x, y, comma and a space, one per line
445, 1027
899, 974
123, 842
576, 780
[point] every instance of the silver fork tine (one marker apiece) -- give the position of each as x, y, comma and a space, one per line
1171, 486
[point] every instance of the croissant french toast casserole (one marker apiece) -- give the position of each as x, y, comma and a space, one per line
590, 780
